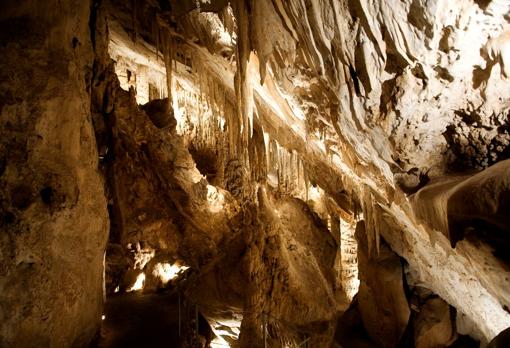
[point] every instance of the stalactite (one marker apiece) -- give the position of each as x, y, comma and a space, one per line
134, 20
206, 90
372, 223
279, 166
244, 90
168, 56
260, 152
349, 260
299, 172
227, 19
176, 48
354, 205
307, 186
155, 35
234, 131
286, 166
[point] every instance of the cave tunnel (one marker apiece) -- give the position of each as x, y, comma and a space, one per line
255, 173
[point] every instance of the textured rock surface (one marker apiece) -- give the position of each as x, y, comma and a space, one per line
433, 326
54, 222
298, 250
382, 301
293, 121
295, 265
453, 205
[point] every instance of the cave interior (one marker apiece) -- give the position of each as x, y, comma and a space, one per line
255, 173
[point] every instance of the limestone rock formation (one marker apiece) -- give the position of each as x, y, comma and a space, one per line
160, 112
382, 301
434, 327
224, 152
54, 221
452, 205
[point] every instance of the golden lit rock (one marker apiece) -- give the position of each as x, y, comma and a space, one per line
192, 173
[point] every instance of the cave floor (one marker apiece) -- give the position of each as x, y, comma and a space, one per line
140, 320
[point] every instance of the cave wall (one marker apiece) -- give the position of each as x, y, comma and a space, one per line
382, 299
298, 251
404, 87
54, 222
365, 100
374, 100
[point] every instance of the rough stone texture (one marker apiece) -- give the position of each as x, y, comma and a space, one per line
289, 272
376, 99
452, 205
382, 301
467, 277
433, 326
162, 174
370, 101
54, 221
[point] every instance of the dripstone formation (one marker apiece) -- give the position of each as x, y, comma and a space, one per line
255, 173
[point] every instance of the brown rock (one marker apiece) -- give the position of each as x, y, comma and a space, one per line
161, 113
433, 327
382, 301
502, 340
54, 233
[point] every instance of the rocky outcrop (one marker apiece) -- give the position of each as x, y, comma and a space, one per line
299, 249
453, 205
479, 293
295, 265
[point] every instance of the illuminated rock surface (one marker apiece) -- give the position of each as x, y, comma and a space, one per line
225, 153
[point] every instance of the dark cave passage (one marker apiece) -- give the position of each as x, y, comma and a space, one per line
135, 320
